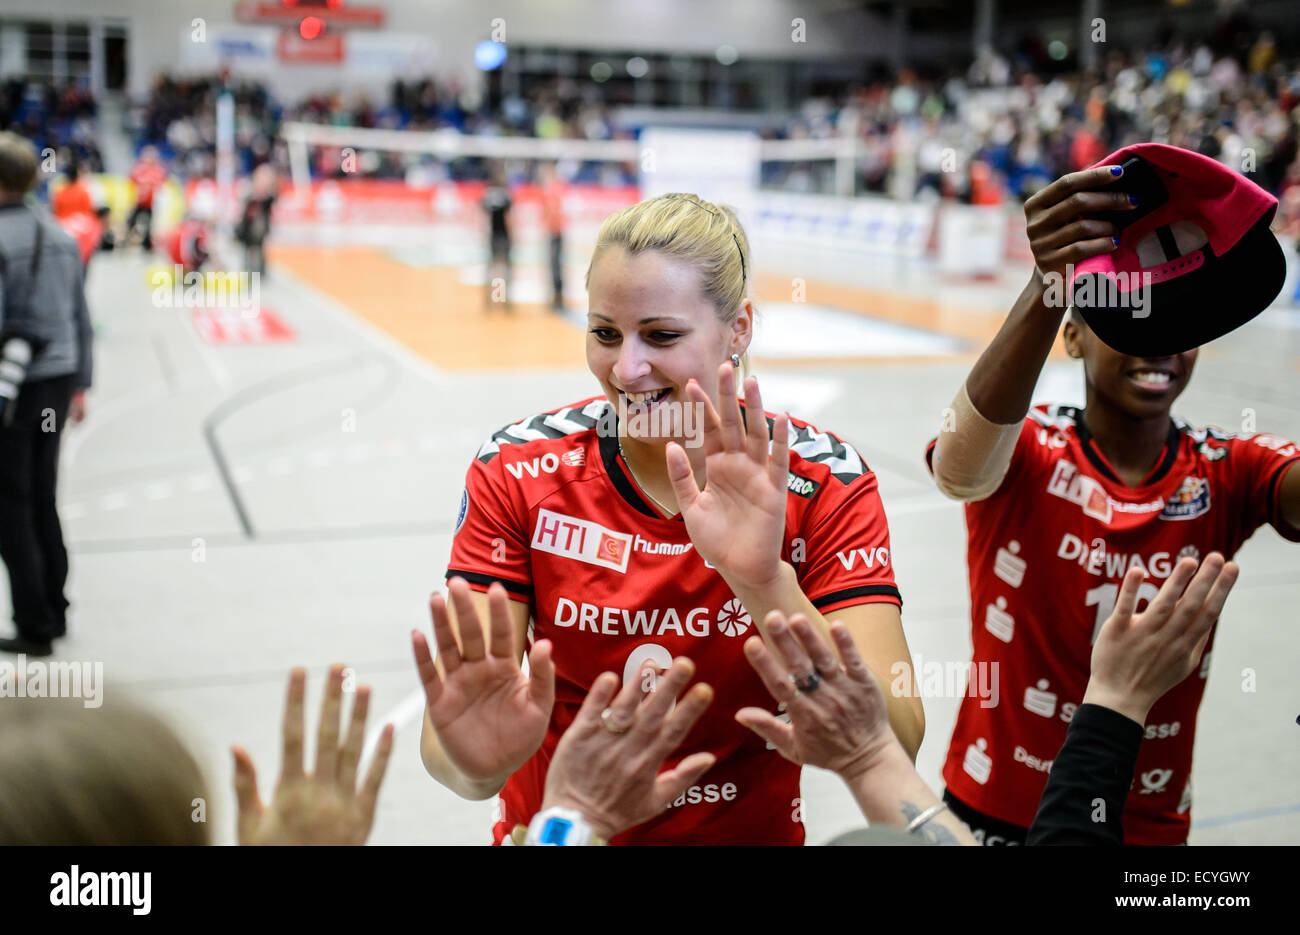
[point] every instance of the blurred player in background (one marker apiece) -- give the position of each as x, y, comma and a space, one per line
592, 520
255, 219
187, 243
74, 197
553, 222
496, 202
74, 209
1060, 503
147, 175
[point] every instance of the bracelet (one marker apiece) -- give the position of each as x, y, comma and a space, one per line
925, 816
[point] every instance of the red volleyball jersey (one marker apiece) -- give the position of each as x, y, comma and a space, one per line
1047, 553
550, 511
147, 177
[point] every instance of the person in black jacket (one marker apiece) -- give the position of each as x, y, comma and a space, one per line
45, 369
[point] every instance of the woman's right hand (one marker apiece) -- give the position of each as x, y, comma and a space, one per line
489, 716
1059, 234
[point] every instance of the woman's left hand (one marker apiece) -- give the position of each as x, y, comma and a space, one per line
737, 521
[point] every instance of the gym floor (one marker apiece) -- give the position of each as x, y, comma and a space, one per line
236, 509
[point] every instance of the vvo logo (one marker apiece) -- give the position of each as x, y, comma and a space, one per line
870, 557
581, 539
548, 463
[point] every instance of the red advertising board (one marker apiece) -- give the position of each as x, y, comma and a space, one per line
289, 13
240, 326
392, 201
293, 49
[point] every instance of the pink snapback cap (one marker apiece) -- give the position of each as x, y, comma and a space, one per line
1200, 265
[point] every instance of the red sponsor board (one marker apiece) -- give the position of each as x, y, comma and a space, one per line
324, 50
291, 13
392, 201
240, 326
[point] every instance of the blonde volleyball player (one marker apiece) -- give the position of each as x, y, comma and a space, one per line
630, 532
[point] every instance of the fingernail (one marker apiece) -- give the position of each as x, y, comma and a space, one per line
1116, 170
1132, 199
1115, 241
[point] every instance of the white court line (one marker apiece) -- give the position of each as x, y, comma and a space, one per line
99, 415
112, 501
410, 707
206, 354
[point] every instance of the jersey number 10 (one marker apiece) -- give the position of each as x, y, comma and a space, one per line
1105, 595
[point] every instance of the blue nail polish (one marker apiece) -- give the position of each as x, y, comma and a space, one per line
1115, 241
1116, 170
1132, 199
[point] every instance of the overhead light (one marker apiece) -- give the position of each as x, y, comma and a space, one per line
727, 54
311, 27
489, 55
637, 67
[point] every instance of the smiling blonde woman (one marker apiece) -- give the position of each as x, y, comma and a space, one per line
627, 547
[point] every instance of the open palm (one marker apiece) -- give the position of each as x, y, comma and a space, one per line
738, 520
489, 716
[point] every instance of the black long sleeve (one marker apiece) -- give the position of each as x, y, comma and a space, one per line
1096, 762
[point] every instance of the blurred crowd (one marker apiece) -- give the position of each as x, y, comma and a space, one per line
60, 118
938, 134
179, 118
999, 128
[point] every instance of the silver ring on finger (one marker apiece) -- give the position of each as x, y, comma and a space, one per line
607, 719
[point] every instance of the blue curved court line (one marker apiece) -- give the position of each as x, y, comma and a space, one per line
1246, 816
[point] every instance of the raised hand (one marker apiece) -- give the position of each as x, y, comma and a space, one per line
738, 520
324, 807
489, 716
1139, 657
841, 722
1058, 234
607, 765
